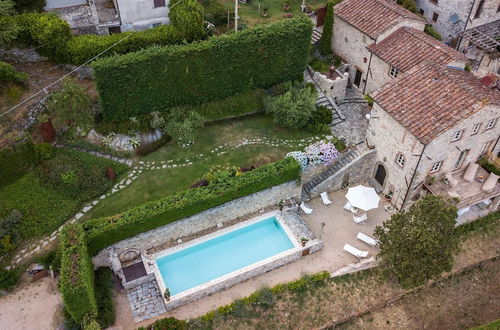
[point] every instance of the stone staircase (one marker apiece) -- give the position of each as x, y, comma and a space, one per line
323, 100
353, 100
316, 35
346, 159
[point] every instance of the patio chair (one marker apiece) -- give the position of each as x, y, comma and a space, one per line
305, 208
360, 219
324, 197
355, 252
367, 239
349, 208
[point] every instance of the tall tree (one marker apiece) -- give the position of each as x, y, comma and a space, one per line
326, 36
8, 26
419, 244
188, 17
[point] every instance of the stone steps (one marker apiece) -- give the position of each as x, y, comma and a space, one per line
343, 161
316, 35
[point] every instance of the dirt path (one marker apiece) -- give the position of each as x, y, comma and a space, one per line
32, 306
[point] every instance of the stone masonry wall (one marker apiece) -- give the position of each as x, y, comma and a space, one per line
378, 75
359, 171
201, 221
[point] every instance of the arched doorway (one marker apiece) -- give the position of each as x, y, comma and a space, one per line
380, 175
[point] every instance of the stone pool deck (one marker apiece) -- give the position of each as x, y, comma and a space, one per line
338, 230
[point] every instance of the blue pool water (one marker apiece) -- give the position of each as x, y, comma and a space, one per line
221, 255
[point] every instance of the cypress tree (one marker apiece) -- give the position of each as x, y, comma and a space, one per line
326, 37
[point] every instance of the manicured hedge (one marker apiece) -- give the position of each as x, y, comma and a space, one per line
157, 78
16, 161
104, 284
103, 232
77, 274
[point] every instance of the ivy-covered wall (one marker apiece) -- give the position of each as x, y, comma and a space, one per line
157, 78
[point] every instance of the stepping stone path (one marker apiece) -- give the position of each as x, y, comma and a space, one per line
142, 166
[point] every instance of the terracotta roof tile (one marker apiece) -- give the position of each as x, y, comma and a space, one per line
407, 47
431, 98
373, 17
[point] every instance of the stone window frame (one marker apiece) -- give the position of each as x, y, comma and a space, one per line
458, 135
491, 123
400, 159
462, 156
435, 167
435, 17
479, 9
393, 71
475, 129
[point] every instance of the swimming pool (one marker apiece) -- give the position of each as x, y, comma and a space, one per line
221, 255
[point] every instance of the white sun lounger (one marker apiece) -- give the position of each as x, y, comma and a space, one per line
305, 208
367, 239
349, 208
360, 219
324, 197
355, 252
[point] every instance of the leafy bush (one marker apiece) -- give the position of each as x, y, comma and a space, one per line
9, 234
45, 151
9, 74
408, 4
104, 283
429, 29
8, 25
46, 201
9, 278
215, 12
281, 88
181, 126
22, 6
294, 108
187, 16
482, 224
16, 161
51, 34
161, 77
77, 274
52, 259
490, 167
103, 232
320, 121
170, 323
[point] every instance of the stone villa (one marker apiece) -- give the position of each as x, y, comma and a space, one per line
361, 23
428, 127
450, 17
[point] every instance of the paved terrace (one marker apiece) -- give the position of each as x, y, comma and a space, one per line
338, 230
469, 193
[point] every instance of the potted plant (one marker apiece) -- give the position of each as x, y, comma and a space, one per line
166, 294
431, 180
280, 204
345, 185
264, 11
304, 240
388, 196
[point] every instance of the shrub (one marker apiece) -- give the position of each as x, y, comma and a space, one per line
9, 74
16, 161
482, 224
52, 259
429, 29
161, 77
408, 4
77, 274
45, 151
8, 25
181, 126
51, 34
22, 6
104, 283
103, 232
170, 323
215, 12
320, 121
281, 88
490, 167
187, 16
326, 36
9, 278
294, 108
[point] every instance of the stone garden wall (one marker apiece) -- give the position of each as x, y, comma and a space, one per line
201, 221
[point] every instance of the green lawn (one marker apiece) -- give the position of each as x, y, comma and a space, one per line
157, 183
249, 12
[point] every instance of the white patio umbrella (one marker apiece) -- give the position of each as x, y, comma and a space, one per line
362, 197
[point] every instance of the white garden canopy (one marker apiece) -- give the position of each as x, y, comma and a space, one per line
362, 197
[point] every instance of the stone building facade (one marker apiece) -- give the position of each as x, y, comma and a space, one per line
420, 132
361, 23
137, 14
450, 17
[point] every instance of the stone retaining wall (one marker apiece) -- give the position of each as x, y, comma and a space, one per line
201, 221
